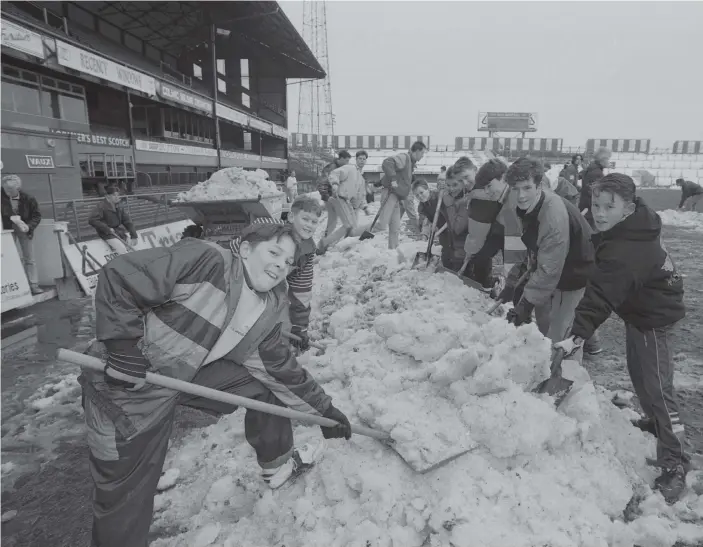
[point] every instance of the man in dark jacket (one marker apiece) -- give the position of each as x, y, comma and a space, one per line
572, 172
20, 213
601, 161
112, 222
636, 278
559, 254
691, 195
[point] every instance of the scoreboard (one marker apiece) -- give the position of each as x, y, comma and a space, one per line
517, 122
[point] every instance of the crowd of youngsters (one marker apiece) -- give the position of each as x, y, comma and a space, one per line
232, 318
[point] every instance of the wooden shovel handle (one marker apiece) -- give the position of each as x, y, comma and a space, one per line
96, 364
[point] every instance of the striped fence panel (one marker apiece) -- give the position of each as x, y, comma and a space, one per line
688, 147
639, 146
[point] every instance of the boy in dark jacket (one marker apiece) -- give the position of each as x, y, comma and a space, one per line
16, 203
691, 194
636, 278
112, 221
601, 161
427, 206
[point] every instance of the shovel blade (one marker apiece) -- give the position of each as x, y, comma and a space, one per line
366, 235
556, 387
419, 258
468, 282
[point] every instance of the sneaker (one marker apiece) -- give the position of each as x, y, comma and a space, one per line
671, 483
653, 462
302, 460
36, 289
646, 425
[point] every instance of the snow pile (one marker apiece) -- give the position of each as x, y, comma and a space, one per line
415, 355
682, 219
231, 183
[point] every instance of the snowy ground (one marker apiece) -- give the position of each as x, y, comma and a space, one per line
409, 353
682, 219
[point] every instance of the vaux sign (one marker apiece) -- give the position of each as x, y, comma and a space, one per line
40, 162
183, 97
95, 65
22, 39
92, 138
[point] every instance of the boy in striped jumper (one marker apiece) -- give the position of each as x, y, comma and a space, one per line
304, 216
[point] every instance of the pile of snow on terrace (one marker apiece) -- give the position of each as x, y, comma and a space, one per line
412, 353
231, 183
682, 219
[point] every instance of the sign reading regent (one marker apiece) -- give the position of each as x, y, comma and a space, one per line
84, 61
92, 138
183, 97
22, 39
40, 162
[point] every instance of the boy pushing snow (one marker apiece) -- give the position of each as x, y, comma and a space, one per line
636, 278
204, 314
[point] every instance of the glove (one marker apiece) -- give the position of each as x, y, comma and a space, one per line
520, 314
304, 343
126, 365
506, 295
340, 431
570, 345
498, 282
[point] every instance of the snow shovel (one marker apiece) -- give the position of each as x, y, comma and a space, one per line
468, 282
555, 385
93, 363
419, 257
428, 257
368, 233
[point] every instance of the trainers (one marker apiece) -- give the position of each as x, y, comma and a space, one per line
646, 425
653, 462
671, 483
302, 460
36, 289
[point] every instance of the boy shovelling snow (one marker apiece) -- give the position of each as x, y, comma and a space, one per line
200, 313
493, 224
427, 205
454, 210
559, 254
348, 196
636, 278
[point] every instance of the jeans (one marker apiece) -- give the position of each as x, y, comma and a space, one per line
26, 252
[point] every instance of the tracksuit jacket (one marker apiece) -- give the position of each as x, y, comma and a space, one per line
560, 252
173, 303
634, 277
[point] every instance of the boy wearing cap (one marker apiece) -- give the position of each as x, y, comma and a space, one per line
636, 278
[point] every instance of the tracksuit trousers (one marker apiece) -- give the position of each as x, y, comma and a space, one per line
123, 498
651, 368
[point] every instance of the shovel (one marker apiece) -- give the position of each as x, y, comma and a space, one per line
498, 303
93, 363
367, 234
556, 386
428, 255
465, 280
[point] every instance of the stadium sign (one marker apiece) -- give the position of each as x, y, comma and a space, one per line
95, 65
40, 162
231, 114
183, 97
168, 148
260, 125
93, 138
520, 122
22, 39
15, 286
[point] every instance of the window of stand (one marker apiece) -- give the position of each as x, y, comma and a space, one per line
153, 121
110, 166
26, 92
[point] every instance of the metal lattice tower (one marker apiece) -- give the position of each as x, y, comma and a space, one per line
315, 115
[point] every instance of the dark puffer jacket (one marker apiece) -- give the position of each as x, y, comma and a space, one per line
634, 276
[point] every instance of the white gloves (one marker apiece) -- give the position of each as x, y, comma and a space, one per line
570, 345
